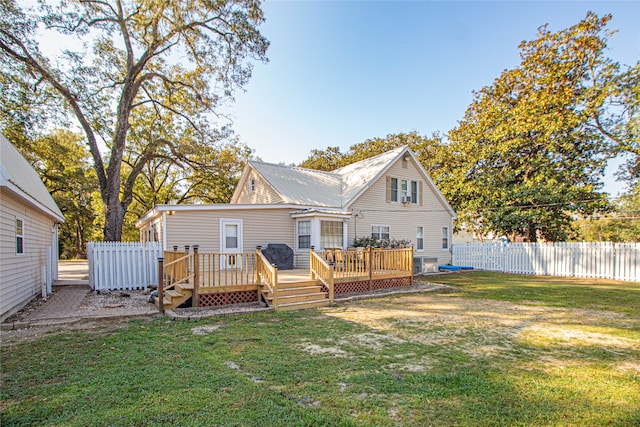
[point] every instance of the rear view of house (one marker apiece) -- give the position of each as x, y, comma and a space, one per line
29, 219
386, 197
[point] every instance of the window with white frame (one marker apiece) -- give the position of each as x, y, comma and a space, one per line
19, 236
252, 185
331, 234
403, 190
445, 237
419, 238
380, 232
304, 234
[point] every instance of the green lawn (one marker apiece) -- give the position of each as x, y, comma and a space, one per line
501, 350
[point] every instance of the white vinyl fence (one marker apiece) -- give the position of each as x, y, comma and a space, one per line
603, 260
123, 265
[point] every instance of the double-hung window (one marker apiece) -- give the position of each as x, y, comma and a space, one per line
380, 232
304, 234
419, 238
403, 190
19, 236
445, 237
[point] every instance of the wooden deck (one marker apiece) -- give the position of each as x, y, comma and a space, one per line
212, 279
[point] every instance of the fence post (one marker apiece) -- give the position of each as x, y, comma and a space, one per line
196, 277
186, 262
161, 284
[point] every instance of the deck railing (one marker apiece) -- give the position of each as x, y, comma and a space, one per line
370, 262
322, 270
268, 274
221, 269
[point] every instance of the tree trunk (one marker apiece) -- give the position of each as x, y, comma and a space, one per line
114, 219
532, 233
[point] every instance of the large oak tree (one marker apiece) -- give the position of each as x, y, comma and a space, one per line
178, 61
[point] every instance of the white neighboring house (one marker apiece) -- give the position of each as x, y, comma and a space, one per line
29, 219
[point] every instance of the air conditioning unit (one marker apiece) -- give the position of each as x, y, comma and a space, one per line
425, 265
406, 199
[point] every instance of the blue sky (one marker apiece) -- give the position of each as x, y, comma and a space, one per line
342, 72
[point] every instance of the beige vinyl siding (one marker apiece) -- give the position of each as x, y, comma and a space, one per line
403, 219
259, 228
20, 275
264, 194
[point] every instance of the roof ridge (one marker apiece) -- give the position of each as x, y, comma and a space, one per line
300, 168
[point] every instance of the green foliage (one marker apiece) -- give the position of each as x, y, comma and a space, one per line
622, 224
365, 241
64, 164
429, 150
125, 73
525, 156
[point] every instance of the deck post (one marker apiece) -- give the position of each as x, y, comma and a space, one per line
370, 266
161, 284
196, 277
186, 263
275, 286
311, 249
331, 283
411, 264
258, 250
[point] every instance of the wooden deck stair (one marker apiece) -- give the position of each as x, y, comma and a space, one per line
178, 295
297, 296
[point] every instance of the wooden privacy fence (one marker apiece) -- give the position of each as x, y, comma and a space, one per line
602, 260
123, 265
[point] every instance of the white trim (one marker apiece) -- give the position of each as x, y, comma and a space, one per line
158, 209
164, 231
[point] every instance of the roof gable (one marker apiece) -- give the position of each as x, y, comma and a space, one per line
17, 175
301, 186
335, 189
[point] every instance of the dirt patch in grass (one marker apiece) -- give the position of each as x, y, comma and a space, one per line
478, 327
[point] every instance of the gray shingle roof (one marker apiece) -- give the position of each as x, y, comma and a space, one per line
18, 176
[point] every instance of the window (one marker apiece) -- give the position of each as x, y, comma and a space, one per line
304, 234
394, 189
231, 236
402, 189
19, 236
380, 232
419, 238
252, 185
414, 192
405, 189
445, 237
331, 234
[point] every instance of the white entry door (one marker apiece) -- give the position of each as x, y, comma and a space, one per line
231, 241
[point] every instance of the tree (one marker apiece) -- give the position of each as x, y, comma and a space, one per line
525, 158
429, 151
178, 60
63, 163
622, 224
